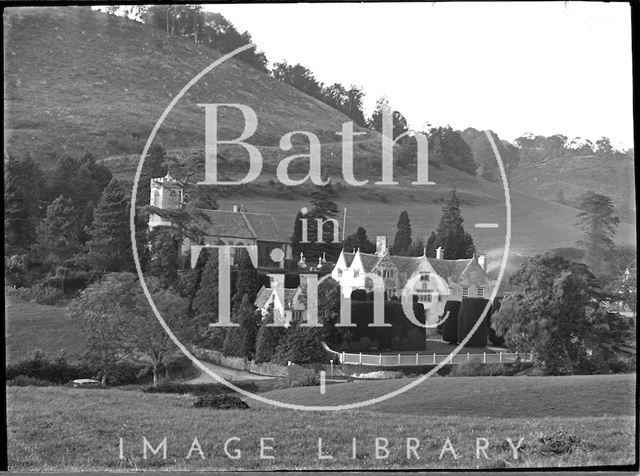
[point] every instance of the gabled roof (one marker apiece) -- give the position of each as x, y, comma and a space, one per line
408, 264
265, 293
257, 226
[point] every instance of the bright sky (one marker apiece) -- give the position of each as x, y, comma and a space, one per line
546, 68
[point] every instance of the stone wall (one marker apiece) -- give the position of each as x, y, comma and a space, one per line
239, 363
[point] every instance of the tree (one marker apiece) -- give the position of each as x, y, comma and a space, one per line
598, 222
164, 256
205, 301
110, 244
359, 241
239, 341
57, 235
402, 242
325, 209
558, 314
447, 146
300, 345
148, 337
267, 339
296, 238
104, 313
299, 77
247, 278
450, 234
22, 183
400, 125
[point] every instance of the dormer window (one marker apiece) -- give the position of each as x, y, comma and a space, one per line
339, 273
356, 273
424, 277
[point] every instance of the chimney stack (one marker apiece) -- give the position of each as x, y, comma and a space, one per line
381, 244
439, 253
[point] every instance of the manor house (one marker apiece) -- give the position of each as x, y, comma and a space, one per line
433, 280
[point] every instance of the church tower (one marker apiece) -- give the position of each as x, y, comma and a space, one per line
166, 193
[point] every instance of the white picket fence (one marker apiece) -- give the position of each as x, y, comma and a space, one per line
398, 360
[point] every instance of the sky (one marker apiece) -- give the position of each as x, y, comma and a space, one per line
540, 67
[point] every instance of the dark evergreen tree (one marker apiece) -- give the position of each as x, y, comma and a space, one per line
402, 242
205, 300
240, 341
599, 223
22, 183
450, 234
189, 280
300, 345
297, 234
267, 339
359, 240
247, 277
57, 236
110, 244
164, 255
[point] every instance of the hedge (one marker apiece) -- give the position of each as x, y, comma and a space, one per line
450, 326
470, 311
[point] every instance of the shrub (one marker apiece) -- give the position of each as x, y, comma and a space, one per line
41, 294
301, 377
221, 402
56, 371
24, 381
475, 368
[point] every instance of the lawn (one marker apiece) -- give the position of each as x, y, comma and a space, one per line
30, 326
70, 429
489, 397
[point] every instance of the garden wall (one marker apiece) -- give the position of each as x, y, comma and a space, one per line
239, 363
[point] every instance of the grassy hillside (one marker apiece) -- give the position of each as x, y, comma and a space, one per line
80, 80
568, 178
53, 429
30, 326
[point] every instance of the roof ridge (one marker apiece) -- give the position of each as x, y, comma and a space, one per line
251, 229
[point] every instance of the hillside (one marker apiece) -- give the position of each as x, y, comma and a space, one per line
568, 178
78, 80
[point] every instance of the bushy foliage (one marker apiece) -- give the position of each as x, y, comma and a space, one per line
220, 402
450, 234
301, 345
24, 381
475, 368
298, 376
58, 370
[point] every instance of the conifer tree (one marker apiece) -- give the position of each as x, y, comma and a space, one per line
359, 240
110, 244
599, 223
246, 280
22, 183
267, 339
402, 243
450, 234
236, 340
164, 255
205, 300
57, 235
296, 238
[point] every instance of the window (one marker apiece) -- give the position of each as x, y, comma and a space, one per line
356, 273
465, 292
424, 277
428, 296
387, 273
481, 292
298, 315
339, 273
156, 198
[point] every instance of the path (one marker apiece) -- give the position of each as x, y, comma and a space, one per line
232, 375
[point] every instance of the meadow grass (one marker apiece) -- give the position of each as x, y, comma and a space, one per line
71, 429
30, 326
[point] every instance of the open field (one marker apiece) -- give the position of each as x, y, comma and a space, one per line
68, 429
30, 326
493, 397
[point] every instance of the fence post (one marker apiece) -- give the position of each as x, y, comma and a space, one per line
516, 355
500, 357
434, 358
467, 355
360, 358
380, 359
343, 356
398, 359
416, 359
484, 357
531, 358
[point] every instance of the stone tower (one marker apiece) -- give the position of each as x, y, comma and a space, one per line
166, 193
